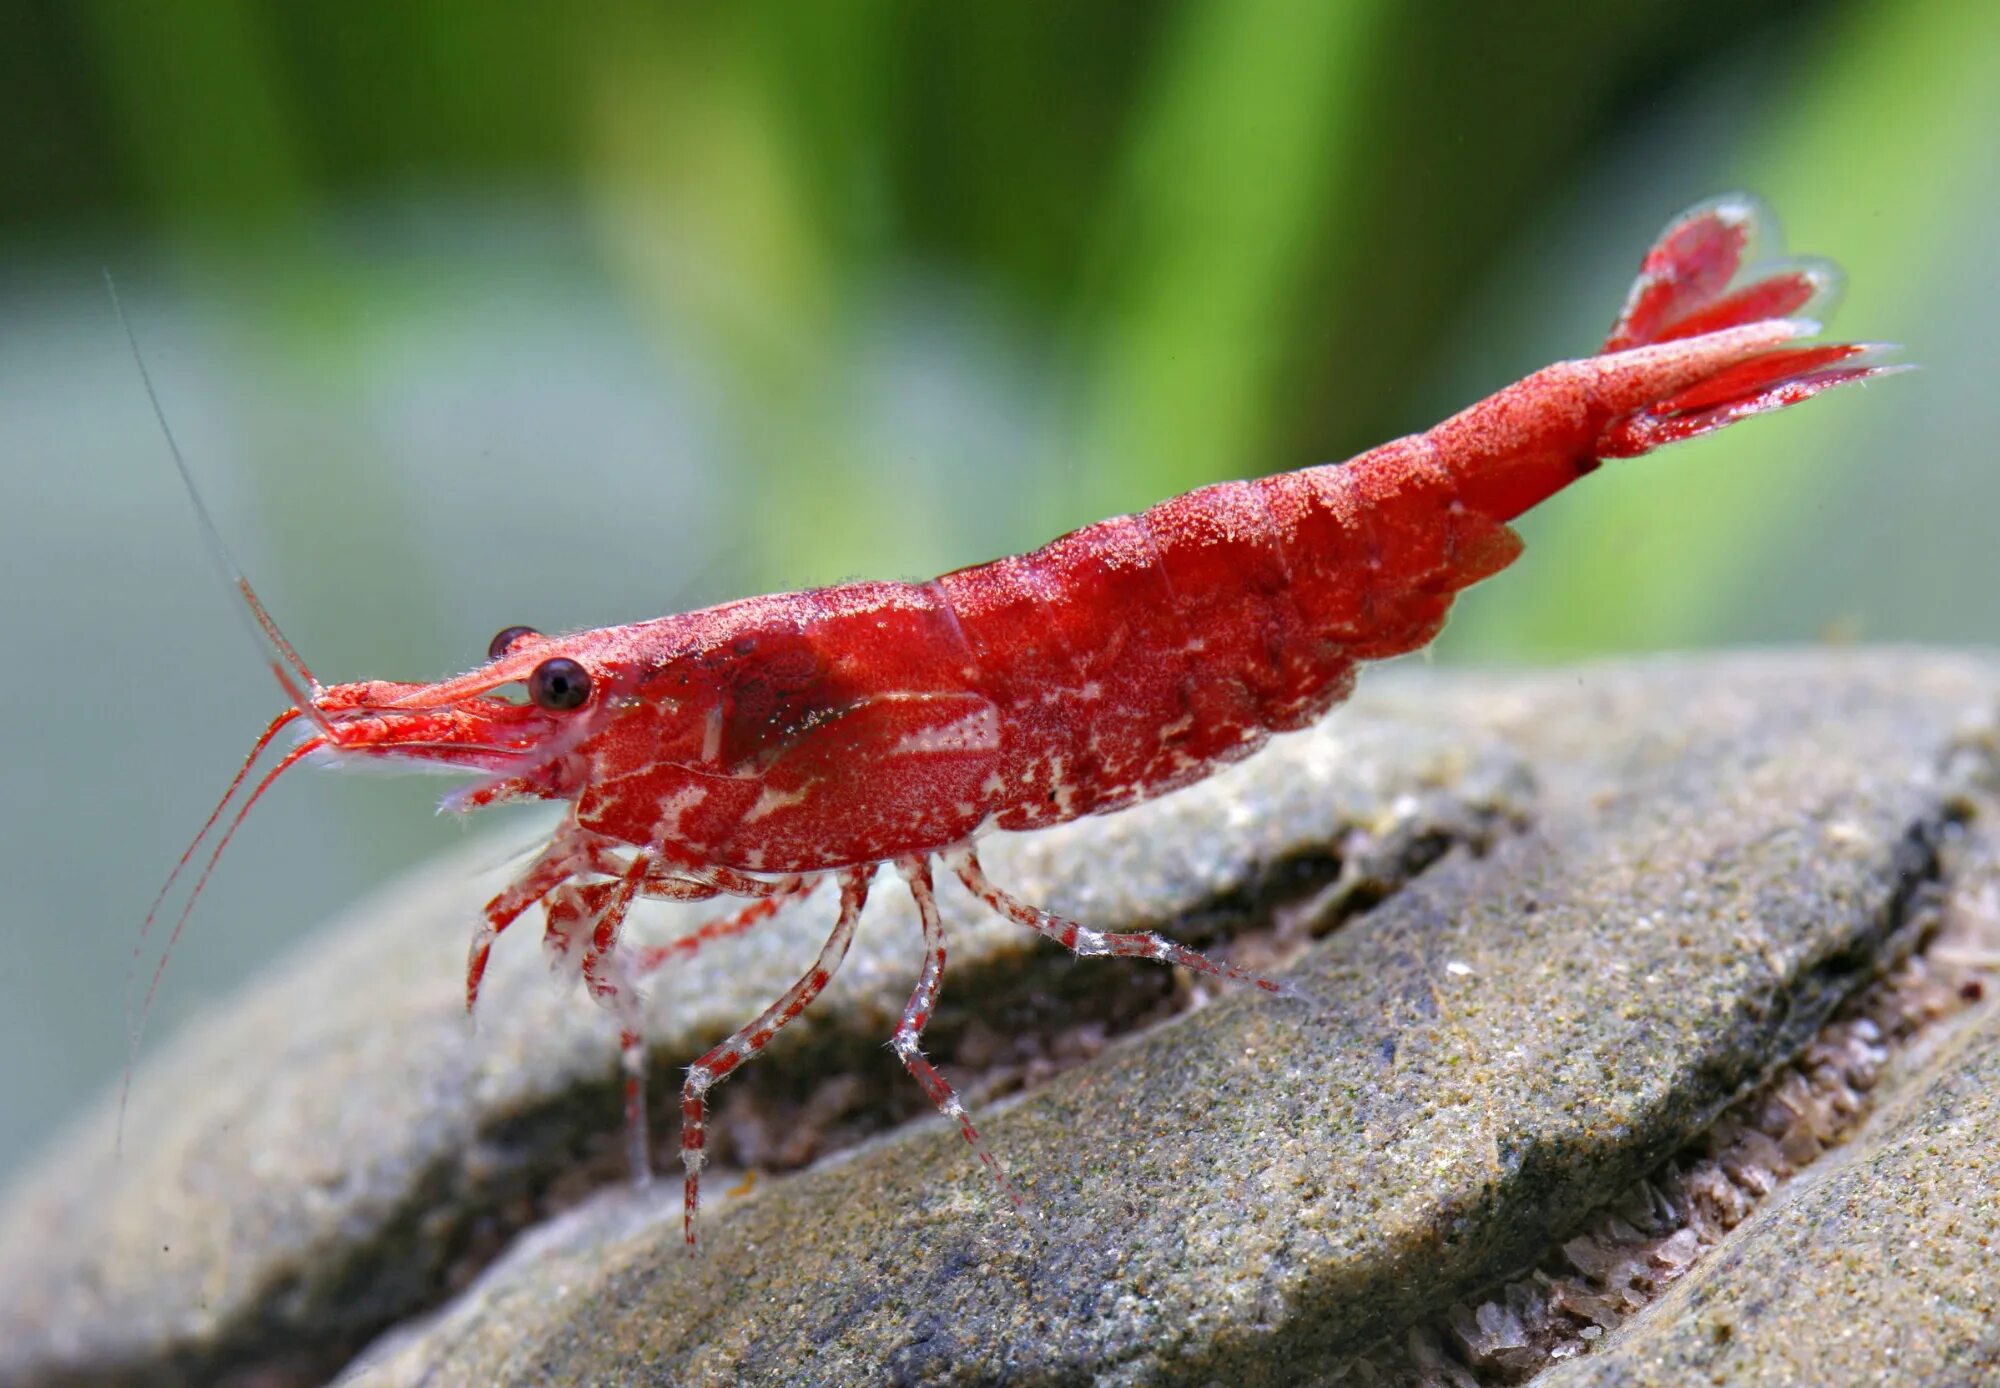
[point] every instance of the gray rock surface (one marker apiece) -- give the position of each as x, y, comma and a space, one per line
1684, 868
1876, 1263
1880, 1269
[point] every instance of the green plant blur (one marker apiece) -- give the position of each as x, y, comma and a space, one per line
1238, 235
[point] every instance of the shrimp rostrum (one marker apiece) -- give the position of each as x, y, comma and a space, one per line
754, 749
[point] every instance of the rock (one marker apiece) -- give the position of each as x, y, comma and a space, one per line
1880, 1268
1658, 883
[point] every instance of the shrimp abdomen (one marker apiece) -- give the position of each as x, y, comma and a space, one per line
1162, 645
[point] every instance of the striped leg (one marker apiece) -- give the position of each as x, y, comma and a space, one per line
573, 851
704, 1073
908, 1040
558, 864
641, 877
601, 908
1081, 940
605, 980
573, 911
569, 916
612, 973
744, 884
653, 957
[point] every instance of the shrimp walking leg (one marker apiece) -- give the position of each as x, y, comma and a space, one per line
720, 1060
650, 959
609, 986
610, 972
908, 1039
596, 911
1081, 940
556, 866
744, 884
576, 909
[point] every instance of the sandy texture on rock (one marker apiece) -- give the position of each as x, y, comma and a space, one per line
1879, 1269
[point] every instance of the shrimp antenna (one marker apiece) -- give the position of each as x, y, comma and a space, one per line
297, 680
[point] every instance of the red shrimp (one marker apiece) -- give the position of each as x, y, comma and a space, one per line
754, 749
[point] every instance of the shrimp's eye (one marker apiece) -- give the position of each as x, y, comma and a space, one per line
502, 643
559, 685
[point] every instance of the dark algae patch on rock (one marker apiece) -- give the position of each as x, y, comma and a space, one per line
1557, 939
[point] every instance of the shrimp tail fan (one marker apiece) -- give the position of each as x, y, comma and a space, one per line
1708, 273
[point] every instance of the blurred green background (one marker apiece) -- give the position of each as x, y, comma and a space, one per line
469, 315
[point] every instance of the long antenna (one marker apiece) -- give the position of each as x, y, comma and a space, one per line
263, 629
299, 686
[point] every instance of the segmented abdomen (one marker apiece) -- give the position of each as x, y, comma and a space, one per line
1139, 653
